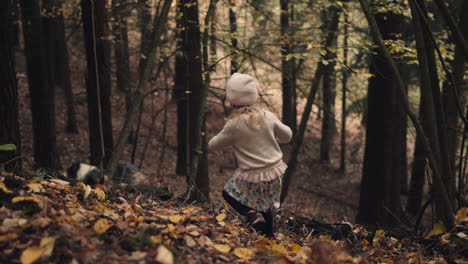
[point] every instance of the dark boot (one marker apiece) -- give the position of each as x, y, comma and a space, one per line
257, 221
269, 223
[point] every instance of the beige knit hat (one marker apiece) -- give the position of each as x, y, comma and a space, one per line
241, 90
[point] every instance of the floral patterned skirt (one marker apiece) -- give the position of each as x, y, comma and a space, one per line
260, 196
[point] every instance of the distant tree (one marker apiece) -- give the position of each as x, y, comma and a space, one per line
233, 32
379, 202
41, 92
344, 87
122, 56
191, 43
288, 66
98, 85
9, 130
57, 52
328, 90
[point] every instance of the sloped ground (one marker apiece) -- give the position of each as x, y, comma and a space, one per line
51, 221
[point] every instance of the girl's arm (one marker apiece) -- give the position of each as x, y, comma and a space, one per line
222, 140
282, 132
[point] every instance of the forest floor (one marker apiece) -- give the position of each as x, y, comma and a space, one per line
123, 227
53, 221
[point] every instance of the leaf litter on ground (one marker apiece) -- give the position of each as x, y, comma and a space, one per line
57, 222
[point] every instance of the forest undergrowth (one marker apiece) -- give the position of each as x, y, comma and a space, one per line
46, 220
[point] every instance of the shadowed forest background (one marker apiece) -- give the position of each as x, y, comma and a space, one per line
374, 91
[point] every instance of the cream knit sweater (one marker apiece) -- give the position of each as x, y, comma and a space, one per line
254, 149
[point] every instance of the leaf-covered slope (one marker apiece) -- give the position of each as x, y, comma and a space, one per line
52, 221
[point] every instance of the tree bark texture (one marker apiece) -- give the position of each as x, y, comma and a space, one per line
299, 137
443, 203
379, 203
98, 83
9, 130
191, 43
57, 52
41, 92
289, 116
328, 91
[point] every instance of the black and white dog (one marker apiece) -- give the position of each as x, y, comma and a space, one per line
125, 174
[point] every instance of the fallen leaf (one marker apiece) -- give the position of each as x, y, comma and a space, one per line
102, 225
462, 216
31, 254
176, 218
26, 199
189, 241
101, 195
221, 217
438, 229
8, 237
222, 248
244, 253
4, 188
164, 255
35, 187
48, 243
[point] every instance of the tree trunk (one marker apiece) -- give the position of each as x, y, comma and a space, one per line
379, 203
233, 32
289, 116
122, 60
443, 204
191, 43
181, 97
344, 84
440, 147
9, 130
415, 193
328, 92
299, 137
41, 93
456, 93
98, 84
159, 23
58, 52
144, 23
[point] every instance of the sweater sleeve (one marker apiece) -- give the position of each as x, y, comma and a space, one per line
222, 140
282, 132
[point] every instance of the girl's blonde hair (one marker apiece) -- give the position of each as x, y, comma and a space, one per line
254, 115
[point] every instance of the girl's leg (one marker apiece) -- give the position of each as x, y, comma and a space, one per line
269, 223
240, 208
255, 219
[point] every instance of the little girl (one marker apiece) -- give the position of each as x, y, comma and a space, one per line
254, 133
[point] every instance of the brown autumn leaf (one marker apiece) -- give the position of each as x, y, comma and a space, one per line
164, 256
244, 253
102, 225
222, 248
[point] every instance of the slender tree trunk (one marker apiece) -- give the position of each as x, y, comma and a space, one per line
144, 23
457, 92
159, 23
344, 84
15, 12
196, 97
58, 54
287, 68
41, 93
416, 188
379, 202
9, 130
233, 32
181, 96
122, 59
299, 138
98, 84
440, 147
328, 92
